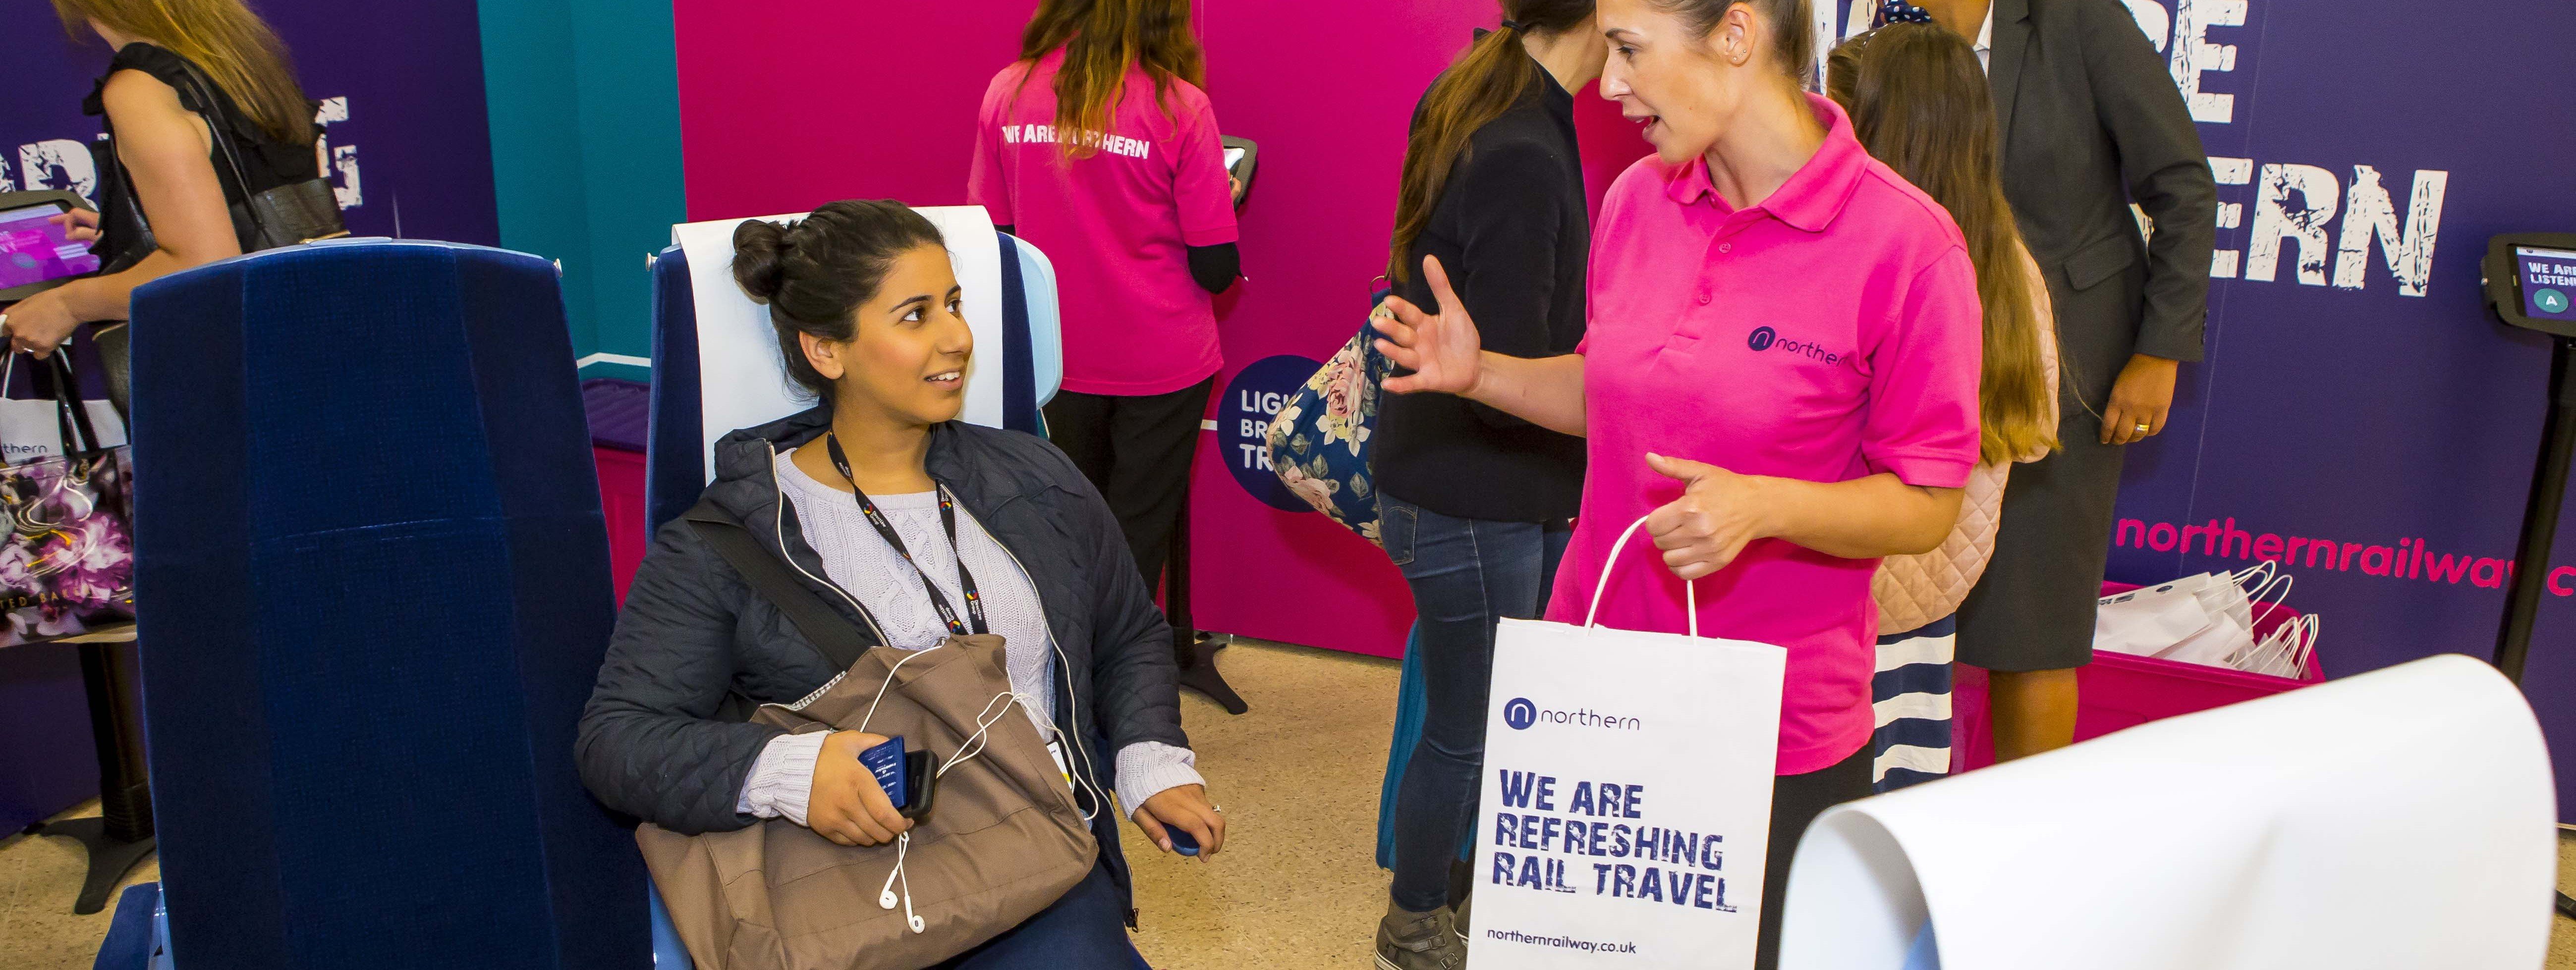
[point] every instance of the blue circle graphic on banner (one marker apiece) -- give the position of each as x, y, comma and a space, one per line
1243, 425
1520, 713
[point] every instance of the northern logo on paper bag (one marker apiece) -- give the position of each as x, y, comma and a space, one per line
1520, 715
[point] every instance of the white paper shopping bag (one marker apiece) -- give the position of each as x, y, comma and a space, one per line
2146, 622
1626, 797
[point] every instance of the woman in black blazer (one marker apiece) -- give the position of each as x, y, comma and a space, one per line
2091, 121
1475, 504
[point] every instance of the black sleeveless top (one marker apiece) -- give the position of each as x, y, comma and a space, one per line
266, 162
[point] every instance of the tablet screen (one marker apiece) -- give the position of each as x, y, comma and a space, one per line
1233, 157
34, 249
2548, 282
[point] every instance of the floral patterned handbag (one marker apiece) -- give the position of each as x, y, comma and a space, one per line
67, 563
1319, 442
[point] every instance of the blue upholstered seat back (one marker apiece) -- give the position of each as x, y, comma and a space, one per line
369, 534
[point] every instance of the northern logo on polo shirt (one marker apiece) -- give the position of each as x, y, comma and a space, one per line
1767, 339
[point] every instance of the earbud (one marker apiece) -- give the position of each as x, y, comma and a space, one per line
886, 899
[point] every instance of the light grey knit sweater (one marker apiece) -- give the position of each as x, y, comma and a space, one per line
860, 561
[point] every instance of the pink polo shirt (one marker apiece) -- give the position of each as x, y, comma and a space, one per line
1117, 224
1829, 333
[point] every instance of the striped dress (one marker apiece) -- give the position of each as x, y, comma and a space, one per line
1911, 695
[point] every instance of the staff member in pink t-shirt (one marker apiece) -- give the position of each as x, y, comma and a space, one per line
1098, 146
1780, 375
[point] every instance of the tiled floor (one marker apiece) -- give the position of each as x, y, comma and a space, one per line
1296, 887
39, 879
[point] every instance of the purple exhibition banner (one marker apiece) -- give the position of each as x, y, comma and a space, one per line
406, 144
408, 152
2361, 418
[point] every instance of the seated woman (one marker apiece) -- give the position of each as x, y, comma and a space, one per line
866, 308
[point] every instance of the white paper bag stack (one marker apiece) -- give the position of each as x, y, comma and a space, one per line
2208, 619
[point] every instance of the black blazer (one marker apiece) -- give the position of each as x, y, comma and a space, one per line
1513, 231
2092, 121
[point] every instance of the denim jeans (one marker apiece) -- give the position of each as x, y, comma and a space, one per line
1085, 929
1466, 575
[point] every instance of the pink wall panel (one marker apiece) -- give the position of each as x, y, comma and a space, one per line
788, 104
1329, 105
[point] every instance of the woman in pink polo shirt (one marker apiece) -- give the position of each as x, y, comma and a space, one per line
1099, 146
1780, 375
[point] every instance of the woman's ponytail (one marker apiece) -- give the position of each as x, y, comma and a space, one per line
1483, 84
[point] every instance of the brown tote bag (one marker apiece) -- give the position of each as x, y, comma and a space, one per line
1003, 840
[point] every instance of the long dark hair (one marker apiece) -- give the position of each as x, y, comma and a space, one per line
235, 48
1101, 40
1919, 102
815, 272
1483, 84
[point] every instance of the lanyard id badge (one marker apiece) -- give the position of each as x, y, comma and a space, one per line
973, 622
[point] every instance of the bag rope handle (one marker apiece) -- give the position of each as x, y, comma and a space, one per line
1690, 588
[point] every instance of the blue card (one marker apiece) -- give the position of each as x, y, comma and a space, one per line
1926, 952
886, 762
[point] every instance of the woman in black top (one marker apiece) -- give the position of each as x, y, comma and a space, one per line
165, 136
1473, 503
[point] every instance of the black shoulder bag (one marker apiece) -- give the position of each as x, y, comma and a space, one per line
297, 212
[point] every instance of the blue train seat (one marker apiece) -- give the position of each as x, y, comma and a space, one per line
377, 575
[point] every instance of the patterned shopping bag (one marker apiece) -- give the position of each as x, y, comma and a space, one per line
1319, 442
67, 563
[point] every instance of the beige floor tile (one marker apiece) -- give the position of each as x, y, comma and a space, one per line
2562, 939
1298, 776
40, 879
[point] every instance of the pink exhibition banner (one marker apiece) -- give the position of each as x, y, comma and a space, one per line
772, 127
1314, 243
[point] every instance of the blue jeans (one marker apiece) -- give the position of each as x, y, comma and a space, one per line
1085, 929
1466, 575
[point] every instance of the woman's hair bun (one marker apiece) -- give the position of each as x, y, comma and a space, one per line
815, 272
760, 258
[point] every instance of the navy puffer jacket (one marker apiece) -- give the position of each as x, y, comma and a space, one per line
653, 743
